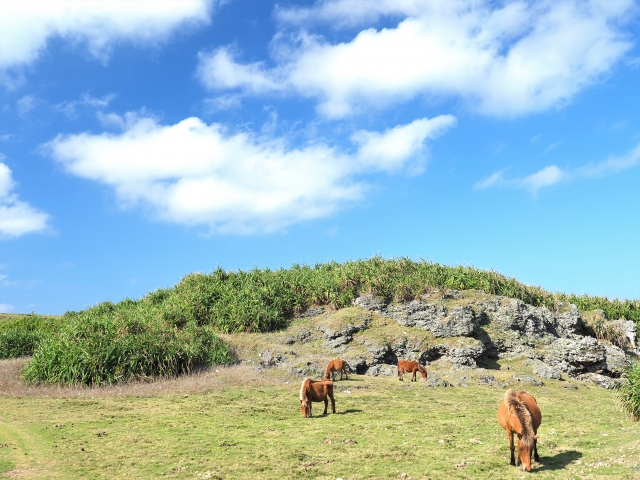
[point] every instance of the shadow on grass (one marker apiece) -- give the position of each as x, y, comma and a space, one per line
347, 412
558, 461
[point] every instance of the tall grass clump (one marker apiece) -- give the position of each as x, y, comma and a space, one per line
597, 325
629, 391
19, 336
112, 343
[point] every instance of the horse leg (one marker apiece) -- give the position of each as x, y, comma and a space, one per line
511, 447
346, 375
326, 404
413, 377
535, 450
333, 404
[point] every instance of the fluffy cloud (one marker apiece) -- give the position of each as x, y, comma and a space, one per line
25, 26
197, 174
552, 174
16, 217
504, 60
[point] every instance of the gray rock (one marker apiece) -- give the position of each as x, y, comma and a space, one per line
380, 353
310, 370
465, 356
527, 379
461, 380
574, 356
600, 380
270, 359
371, 303
569, 323
461, 321
545, 371
305, 335
536, 322
615, 360
630, 330
433, 380
382, 369
486, 379
312, 312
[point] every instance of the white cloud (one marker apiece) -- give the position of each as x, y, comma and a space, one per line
546, 177
218, 69
6, 308
550, 148
508, 60
17, 217
390, 150
552, 174
25, 104
543, 178
222, 102
86, 100
196, 174
611, 165
496, 179
27, 25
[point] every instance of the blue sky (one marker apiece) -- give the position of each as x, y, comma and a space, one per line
142, 141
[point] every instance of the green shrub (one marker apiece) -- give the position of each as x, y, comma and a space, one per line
629, 391
112, 343
19, 336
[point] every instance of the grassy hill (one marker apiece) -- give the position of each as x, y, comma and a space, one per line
175, 330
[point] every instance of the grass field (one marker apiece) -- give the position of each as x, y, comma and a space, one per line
239, 423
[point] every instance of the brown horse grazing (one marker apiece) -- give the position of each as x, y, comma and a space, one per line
334, 366
410, 367
311, 391
519, 414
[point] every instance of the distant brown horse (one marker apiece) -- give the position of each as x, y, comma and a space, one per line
519, 414
410, 367
311, 391
334, 366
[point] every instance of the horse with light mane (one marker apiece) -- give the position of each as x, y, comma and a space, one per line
311, 391
337, 365
519, 413
410, 367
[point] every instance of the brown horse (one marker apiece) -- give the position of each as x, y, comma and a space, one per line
519, 414
410, 367
334, 366
311, 391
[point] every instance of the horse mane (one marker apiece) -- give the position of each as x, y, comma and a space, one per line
421, 368
303, 391
523, 415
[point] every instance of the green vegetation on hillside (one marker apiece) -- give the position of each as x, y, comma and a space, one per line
21, 334
169, 331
